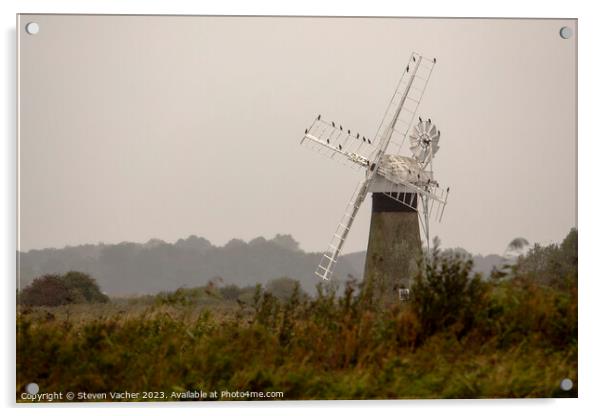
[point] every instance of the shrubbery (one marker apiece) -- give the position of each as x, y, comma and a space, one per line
445, 294
55, 290
552, 265
458, 336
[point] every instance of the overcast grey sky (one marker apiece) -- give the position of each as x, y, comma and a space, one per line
140, 127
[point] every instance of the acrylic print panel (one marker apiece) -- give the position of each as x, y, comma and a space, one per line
173, 232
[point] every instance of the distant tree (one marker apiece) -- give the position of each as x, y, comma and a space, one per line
516, 247
518, 243
283, 287
48, 290
55, 290
569, 252
230, 292
83, 288
552, 264
286, 241
456, 252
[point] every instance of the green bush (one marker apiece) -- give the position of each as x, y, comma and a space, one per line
284, 287
55, 290
83, 288
48, 290
445, 293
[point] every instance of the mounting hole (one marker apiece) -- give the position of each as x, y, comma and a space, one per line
566, 32
32, 388
566, 384
32, 28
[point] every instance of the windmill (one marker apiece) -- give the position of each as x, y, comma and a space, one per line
404, 191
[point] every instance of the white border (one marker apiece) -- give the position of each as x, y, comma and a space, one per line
590, 152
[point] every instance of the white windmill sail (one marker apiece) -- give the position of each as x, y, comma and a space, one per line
402, 108
334, 141
330, 256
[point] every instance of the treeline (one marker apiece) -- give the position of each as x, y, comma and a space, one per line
156, 266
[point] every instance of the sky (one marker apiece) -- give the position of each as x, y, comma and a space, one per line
140, 127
